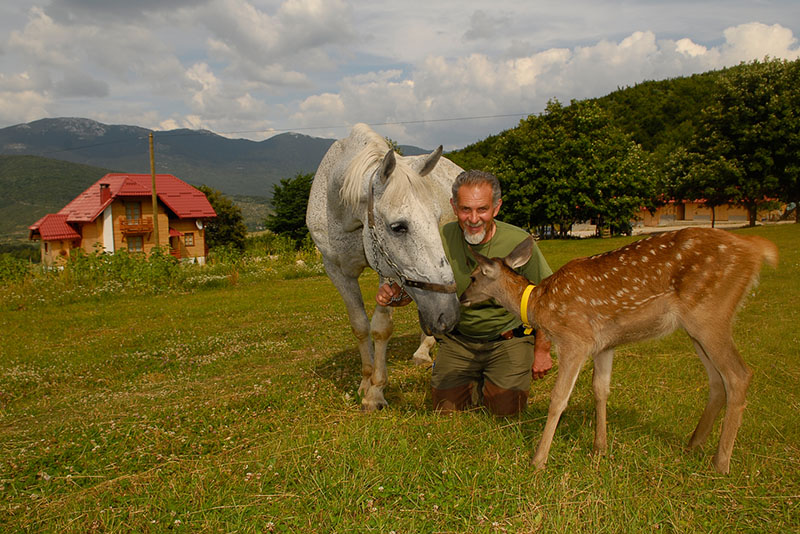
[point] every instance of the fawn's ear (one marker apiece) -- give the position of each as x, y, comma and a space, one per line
521, 254
486, 265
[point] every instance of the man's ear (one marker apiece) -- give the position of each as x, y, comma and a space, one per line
497, 207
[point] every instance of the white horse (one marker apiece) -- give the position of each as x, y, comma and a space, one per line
370, 207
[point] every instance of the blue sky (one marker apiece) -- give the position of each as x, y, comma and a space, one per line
424, 73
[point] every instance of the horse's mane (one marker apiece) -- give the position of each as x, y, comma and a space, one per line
362, 167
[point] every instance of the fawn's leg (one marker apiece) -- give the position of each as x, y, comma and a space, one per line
721, 352
601, 384
716, 400
569, 365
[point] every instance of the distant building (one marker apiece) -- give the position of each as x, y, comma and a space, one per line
117, 213
677, 212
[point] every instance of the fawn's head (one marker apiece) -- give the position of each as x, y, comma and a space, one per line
494, 277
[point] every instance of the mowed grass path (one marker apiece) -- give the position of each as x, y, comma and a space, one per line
234, 410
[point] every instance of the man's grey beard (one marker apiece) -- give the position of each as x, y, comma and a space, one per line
475, 239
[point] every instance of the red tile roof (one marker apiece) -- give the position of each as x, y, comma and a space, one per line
54, 227
181, 198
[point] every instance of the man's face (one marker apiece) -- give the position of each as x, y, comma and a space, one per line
475, 212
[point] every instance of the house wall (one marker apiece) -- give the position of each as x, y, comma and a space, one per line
118, 212
55, 252
95, 234
92, 233
694, 211
187, 226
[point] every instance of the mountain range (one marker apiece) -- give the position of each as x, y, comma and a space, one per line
199, 157
44, 164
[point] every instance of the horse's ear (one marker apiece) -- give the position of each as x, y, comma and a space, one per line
430, 161
387, 166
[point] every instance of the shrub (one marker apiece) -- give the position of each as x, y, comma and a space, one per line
12, 269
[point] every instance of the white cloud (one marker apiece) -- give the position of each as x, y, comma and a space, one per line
687, 47
481, 85
250, 65
22, 106
483, 25
755, 41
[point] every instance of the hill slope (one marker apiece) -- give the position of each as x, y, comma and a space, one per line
234, 166
199, 157
33, 187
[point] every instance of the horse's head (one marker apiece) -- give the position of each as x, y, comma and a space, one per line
402, 237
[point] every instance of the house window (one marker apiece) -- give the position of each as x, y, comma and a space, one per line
133, 211
188, 239
135, 243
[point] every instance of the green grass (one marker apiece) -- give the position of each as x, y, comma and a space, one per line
234, 409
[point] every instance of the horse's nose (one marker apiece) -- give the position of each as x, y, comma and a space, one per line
444, 323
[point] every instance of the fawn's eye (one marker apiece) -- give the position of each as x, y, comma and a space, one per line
399, 227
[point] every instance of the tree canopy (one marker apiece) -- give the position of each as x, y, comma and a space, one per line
728, 136
748, 141
568, 165
290, 200
228, 228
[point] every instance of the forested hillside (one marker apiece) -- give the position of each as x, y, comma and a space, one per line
723, 137
656, 114
33, 186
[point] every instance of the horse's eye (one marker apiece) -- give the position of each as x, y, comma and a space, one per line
399, 227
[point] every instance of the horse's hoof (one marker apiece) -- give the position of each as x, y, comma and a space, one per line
421, 360
373, 406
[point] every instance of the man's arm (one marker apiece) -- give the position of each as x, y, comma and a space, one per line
542, 362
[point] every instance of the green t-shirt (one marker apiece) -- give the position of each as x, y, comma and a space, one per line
488, 320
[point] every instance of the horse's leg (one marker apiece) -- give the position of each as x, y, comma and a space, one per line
351, 295
422, 356
381, 329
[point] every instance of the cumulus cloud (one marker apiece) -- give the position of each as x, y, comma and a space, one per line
246, 66
482, 85
485, 26
268, 48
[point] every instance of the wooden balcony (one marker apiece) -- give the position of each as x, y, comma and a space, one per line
135, 226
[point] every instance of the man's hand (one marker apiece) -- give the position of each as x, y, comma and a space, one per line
542, 362
392, 295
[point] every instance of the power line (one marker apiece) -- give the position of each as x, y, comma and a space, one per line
391, 123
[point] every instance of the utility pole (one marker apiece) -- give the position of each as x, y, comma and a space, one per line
155, 196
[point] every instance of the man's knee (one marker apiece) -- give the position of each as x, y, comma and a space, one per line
452, 399
502, 401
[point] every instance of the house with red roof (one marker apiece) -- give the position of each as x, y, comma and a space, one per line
116, 213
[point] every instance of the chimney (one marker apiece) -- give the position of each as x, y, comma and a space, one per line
105, 193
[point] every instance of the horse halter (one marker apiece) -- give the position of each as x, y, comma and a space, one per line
379, 250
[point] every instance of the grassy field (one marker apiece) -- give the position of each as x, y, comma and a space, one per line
233, 409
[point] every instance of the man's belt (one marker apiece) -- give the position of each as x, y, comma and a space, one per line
508, 334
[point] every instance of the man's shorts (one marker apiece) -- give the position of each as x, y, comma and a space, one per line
506, 362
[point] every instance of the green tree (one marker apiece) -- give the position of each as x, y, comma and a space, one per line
393, 144
477, 156
290, 200
571, 164
787, 153
228, 228
749, 137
